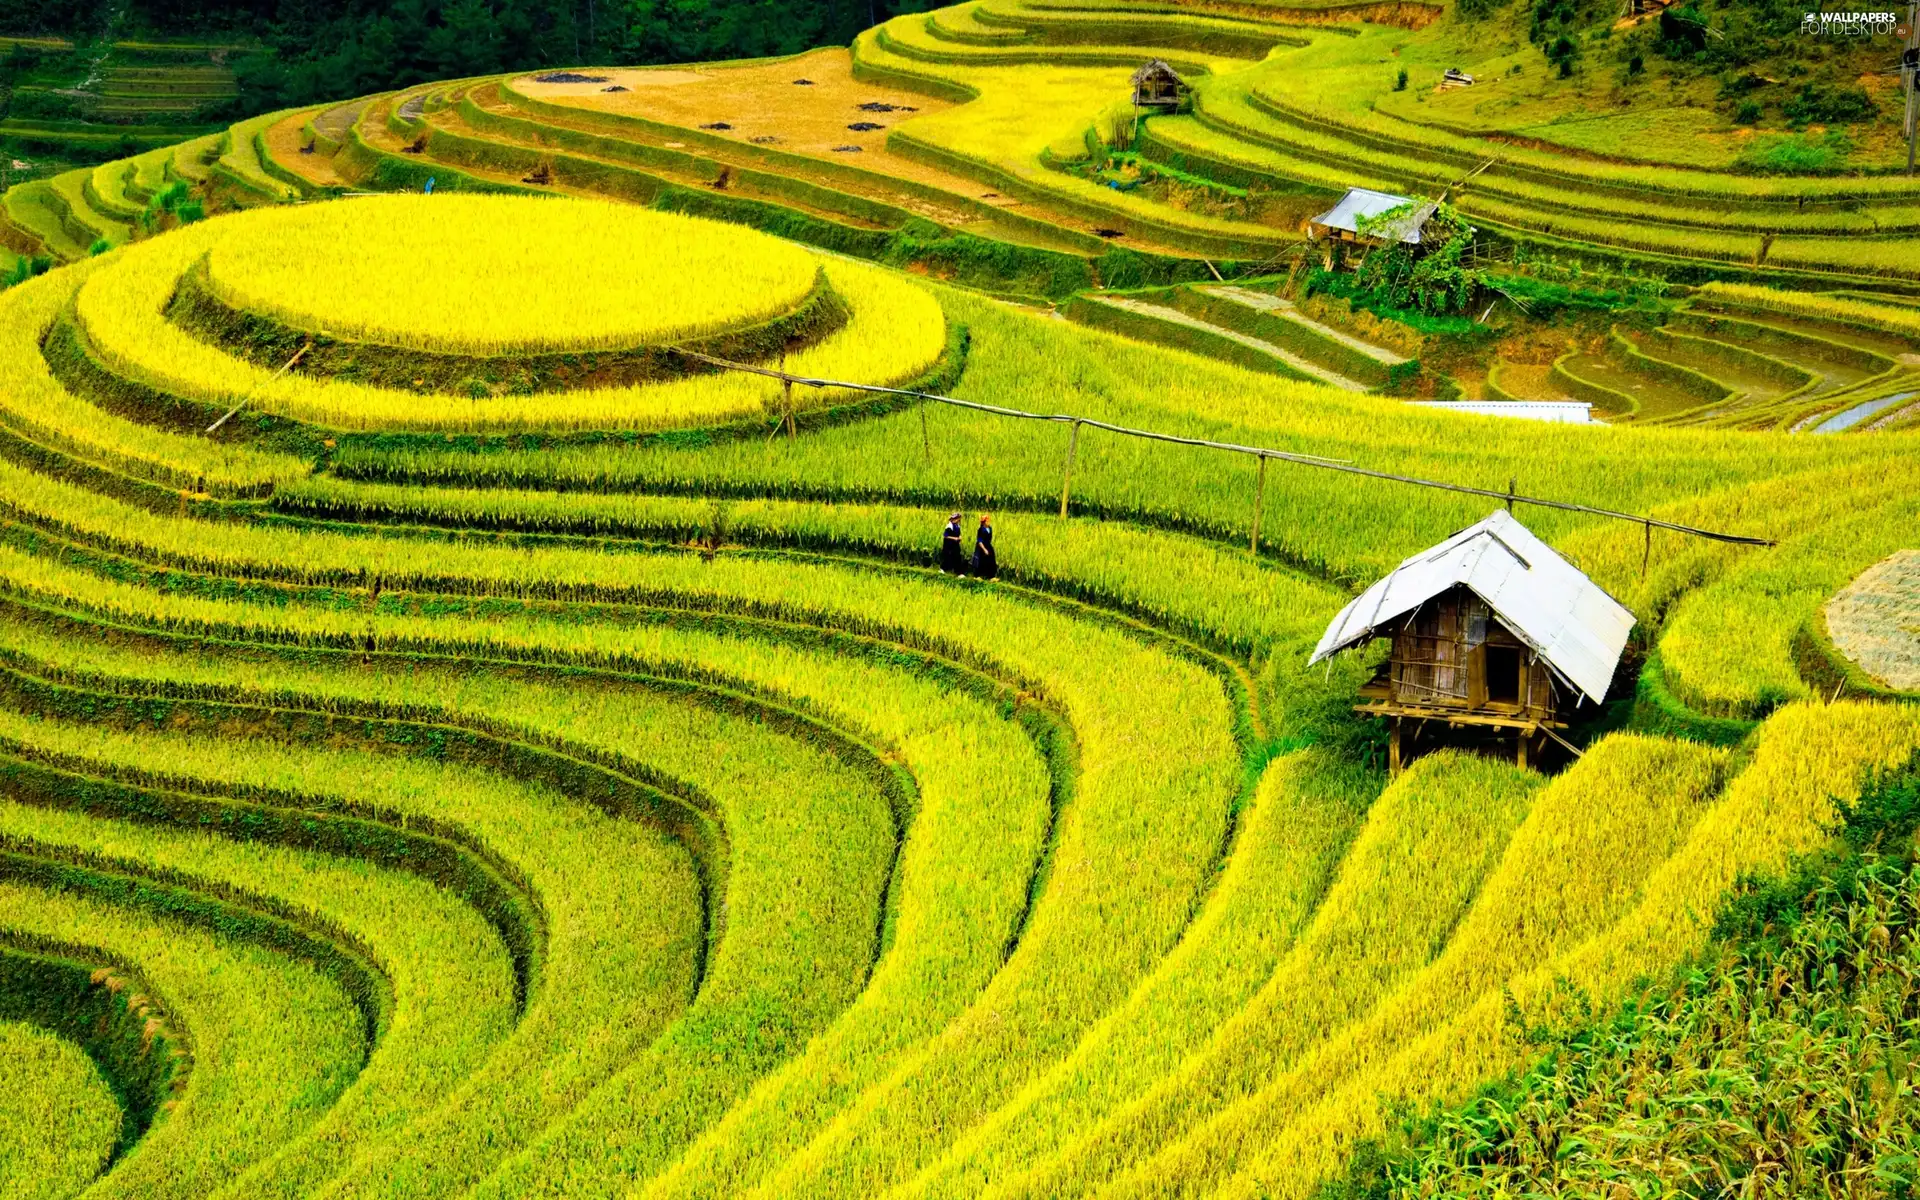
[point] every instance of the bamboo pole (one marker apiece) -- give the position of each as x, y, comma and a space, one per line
1066, 480
1344, 466
290, 364
926, 441
1259, 503
786, 390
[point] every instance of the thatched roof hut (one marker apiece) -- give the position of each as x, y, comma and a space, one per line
1158, 85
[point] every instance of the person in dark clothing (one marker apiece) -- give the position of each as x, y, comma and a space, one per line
953, 555
985, 565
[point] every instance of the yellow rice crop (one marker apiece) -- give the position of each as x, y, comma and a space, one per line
1577, 863
500, 275
453, 1001
274, 1040
34, 405
1890, 317
58, 1120
1811, 757
1427, 844
897, 332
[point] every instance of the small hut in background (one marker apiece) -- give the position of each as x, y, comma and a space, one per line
1493, 633
1342, 222
1159, 87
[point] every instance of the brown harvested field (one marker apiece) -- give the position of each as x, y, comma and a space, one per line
1876, 621
1529, 381
284, 142
763, 101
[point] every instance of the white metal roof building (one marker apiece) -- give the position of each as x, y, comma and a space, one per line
1575, 627
1345, 216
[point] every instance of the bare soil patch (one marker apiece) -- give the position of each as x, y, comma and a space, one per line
811, 106
765, 105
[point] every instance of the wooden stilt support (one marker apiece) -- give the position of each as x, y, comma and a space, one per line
786, 389
1646, 554
1525, 740
1393, 750
926, 441
1259, 503
1066, 481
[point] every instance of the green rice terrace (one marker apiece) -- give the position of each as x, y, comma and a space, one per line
488, 707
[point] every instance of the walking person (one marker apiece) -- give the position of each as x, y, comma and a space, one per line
953, 555
985, 565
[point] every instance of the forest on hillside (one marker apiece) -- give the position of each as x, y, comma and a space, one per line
312, 50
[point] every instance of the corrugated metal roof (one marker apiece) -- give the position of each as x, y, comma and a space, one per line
1364, 202
1545, 600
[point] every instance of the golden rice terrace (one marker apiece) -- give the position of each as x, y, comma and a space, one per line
677, 632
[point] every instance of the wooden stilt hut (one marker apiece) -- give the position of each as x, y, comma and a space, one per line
1157, 86
1492, 632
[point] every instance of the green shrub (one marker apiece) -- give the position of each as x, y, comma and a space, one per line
1824, 104
1545, 299
1683, 32
26, 267
1428, 278
1563, 52
1400, 81
1797, 154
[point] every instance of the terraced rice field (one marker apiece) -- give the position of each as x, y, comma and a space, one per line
455, 739
368, 742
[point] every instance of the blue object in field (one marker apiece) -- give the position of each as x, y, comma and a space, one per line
429, 188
